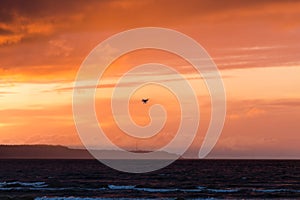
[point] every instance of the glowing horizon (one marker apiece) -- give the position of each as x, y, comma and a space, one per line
254, 44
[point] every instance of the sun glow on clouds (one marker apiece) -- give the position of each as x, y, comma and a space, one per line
254, 44
28, 95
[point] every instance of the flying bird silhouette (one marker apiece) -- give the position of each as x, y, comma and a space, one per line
145, 101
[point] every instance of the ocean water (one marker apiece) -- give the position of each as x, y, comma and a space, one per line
184, 179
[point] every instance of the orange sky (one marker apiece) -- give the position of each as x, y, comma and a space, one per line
255, 44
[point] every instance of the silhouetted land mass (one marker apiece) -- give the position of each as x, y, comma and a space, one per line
62, 152
41, 152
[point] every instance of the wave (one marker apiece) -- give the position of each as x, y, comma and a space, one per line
163, 190
121, 187
92, 198
42, 186
22, 184
197, 189
223, 190
154, 190
276, 190
50, 189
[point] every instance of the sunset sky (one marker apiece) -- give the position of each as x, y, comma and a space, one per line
255, 45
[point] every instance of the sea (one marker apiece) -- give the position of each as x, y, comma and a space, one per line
183, 179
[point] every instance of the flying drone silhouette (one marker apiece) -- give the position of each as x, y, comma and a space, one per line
145, 101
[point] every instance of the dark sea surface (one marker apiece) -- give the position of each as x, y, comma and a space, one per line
184, 179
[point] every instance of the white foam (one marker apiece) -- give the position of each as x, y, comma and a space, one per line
121, 187
33, 188
25, 184
276, 190
153, 190
90, 198
156, 189
223, 190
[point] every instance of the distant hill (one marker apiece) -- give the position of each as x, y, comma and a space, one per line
62, 152
42, 152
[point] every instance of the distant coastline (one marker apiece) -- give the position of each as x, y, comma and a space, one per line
62, 152
42, 152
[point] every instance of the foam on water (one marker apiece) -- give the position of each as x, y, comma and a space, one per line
24, 184
276, 190
42, 186
154, 190
223, 190
121, 187
49, 189
187, 179
90, 198
99, 198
